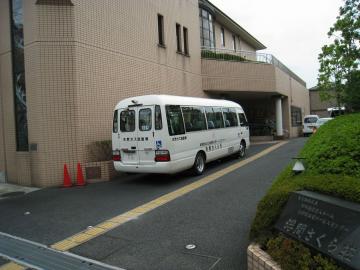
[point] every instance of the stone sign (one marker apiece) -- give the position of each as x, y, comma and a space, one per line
328, 224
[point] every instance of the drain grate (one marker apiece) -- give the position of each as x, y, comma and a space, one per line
41, 257
12, 194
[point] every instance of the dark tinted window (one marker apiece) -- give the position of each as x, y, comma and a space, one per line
127, 121
194, 118
214, 117
115, 122
158, 119
310, 120
230, 117
161, 30
145, 122
243, 121
174, 120
178, 37
295, 116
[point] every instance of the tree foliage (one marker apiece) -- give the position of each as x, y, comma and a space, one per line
339, 61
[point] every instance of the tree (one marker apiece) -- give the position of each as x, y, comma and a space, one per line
339, 61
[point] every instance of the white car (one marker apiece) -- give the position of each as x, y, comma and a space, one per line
320, 122
309, 124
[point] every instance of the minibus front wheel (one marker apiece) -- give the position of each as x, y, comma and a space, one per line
199, 164
242, 150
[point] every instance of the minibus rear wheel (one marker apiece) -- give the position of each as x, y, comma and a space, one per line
199, 164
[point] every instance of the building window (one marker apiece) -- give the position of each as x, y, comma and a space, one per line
178, 37
222, 37
161, 30
186, 43
234, 43
207, 36
18, 66
296, 119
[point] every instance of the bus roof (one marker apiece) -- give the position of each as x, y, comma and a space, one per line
175, 100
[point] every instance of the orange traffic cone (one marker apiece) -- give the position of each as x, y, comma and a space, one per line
80, 181
67, 180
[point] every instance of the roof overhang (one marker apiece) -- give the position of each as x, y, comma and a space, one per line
230, 24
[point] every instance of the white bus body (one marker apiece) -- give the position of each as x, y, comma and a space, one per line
167, 134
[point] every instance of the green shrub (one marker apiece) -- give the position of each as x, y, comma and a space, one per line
292, 255
100, 150
221, 56
332, 161
335, 147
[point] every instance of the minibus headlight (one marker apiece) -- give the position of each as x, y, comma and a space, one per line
116, 155
162, 155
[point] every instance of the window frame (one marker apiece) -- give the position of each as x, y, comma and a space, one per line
161, 33
215, 112
178, 38
168, 119
234, 43
202, 109
150, 126
232, 111
116, 121
134, 120
222, 37
186, 41
158, 109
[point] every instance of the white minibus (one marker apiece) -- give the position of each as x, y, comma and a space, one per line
168, 134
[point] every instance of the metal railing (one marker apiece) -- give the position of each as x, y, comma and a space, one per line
247, 56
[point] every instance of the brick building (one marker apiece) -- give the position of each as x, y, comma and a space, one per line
64, 64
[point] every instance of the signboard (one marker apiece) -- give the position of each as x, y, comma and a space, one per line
329, 225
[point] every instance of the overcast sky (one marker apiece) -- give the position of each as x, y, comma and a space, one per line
293, 31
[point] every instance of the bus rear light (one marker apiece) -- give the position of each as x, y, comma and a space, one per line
162, 155
116, 155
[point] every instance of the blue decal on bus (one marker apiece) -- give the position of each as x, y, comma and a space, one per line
158, 144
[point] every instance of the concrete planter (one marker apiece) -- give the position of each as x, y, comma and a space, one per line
99, 171
258, 259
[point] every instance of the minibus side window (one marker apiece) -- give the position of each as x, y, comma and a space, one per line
158, 119
194, 118
243, 121
127, 121
219, 119
214, 117
230, 117
174, 120
115, 122
145, 121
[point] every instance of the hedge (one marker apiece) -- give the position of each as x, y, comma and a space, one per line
332, 161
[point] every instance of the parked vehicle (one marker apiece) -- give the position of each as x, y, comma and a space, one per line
336, 111
169, 134
309, 124
320, 122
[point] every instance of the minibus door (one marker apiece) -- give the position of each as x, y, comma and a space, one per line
129, 136
146, 144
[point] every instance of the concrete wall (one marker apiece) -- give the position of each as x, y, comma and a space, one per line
237, 76
241, 45
318, 106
